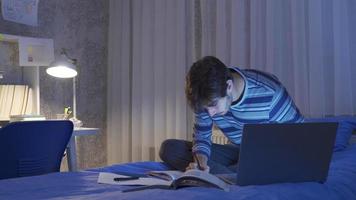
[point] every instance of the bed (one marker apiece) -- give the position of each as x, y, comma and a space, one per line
340, 185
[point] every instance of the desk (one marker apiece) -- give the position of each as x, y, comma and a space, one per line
71, 148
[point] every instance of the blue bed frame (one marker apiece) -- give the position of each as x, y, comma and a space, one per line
340, 185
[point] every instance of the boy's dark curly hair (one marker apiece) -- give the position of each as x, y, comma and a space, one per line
206, 81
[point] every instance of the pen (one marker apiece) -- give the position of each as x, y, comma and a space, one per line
196, 158
125, 178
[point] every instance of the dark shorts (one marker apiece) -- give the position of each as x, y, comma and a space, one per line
178, 154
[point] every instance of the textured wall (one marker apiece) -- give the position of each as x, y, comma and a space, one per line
9, 56
80, 26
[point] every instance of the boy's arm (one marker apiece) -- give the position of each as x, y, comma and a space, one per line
201, 141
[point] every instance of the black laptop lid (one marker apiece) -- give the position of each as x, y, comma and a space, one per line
274, 153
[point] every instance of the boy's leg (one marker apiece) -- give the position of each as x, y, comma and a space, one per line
178, 154
224, 158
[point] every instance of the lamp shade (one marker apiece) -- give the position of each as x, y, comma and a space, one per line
62, 67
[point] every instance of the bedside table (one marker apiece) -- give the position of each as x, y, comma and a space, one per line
71, 147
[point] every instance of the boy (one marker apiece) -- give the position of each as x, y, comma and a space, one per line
229, 98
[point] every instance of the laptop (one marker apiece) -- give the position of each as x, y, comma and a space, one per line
277, 153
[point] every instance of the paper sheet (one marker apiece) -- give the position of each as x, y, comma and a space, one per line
20, 11
108, 178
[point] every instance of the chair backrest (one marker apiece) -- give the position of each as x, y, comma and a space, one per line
31, 148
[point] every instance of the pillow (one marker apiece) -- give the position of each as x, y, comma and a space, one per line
344, 132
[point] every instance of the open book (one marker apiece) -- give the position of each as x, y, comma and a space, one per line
167, 180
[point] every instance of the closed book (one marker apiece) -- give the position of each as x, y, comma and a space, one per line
25, 99
29, 105
18, 99
2, 99
6, 106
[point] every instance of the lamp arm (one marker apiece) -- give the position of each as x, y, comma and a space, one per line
74, 98
76, 122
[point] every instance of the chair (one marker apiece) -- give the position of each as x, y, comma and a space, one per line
31, 148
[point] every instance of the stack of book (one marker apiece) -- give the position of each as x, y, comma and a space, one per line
15, 100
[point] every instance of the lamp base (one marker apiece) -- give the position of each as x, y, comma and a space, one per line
76, 122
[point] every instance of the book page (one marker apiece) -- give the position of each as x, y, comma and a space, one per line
169, 175
195, 175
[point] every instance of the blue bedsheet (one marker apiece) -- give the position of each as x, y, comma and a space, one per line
341, 185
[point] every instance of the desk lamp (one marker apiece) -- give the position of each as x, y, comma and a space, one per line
64, 67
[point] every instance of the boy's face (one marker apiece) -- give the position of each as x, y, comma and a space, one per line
219, 106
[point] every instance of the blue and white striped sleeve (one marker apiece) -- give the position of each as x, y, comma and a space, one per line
202, 134
283, 108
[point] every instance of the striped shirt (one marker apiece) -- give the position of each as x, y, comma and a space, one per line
264, 100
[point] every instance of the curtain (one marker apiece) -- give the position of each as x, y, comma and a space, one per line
150, 50
309, 45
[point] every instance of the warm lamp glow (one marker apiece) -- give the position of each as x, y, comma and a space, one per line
63, 67
61, 72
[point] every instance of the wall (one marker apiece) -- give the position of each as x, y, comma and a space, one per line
81, 27
9, 63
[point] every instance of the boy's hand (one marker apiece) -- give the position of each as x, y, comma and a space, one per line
194, 165
200, 162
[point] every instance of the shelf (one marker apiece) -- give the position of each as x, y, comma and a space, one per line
32, 53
